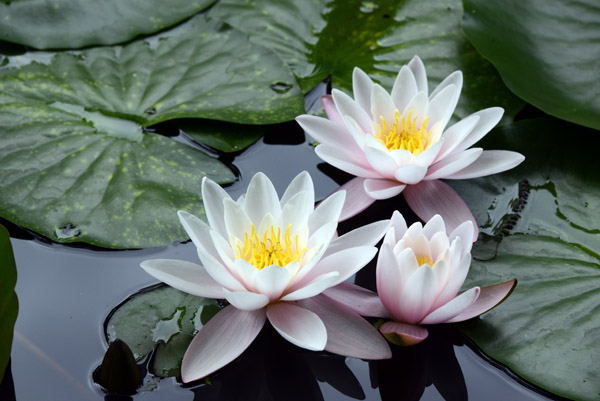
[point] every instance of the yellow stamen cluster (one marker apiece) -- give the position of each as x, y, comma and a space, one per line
403, 133
271, 250
424, 259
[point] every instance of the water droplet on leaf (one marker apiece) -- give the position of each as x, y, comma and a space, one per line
281, 87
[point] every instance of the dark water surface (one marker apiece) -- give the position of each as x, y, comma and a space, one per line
65, 294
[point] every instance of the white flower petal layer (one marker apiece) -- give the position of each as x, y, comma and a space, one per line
299, 326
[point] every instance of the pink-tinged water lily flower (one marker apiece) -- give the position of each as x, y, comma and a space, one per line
398, 142
420, 271
272, 259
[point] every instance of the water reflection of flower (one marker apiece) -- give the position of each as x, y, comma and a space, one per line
272, 259
411, 369
273, 369
398, 142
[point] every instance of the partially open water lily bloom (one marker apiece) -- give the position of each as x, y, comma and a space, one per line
398, 142
420, 271
273, 259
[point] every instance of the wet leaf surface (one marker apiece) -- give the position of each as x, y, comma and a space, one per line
9, 304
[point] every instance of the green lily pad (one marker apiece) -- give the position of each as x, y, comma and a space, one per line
76, 164
226, 137
163, 318
9, 304
546, 51
541, 224
321, 38
60, 24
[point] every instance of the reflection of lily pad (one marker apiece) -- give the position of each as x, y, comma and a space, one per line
546, 51
76, 165
9, 304
320, 38
163, 317
59, 24
544, 219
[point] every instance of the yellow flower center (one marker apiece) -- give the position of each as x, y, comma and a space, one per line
424, 259
271, 250
404, 133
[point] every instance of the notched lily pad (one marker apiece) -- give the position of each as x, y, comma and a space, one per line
160, 318
76, 164
320, 38
59, 24
541, 225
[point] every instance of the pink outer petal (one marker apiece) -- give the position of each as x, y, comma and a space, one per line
360, 300
428, 198
348, 107
383, 189
331, 110
185, 276
408, 334
490, 162
453, 308
357, 199
389, 280
347, 333
220, 341
298, 325
351, 164
489, 298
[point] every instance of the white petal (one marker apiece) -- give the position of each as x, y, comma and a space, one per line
489, 298
488, 118
490, 162
271, 281
415, 230
360, 300
296, 212
369, 234
453, 307
246, 272
299, 326
405, 88
346, 262
223, 247
327, 211
213, 195
327, 132
185, 276
302, 182
381, 161
457, 277
348, 107
453, 163
419, 105
402, 156
418, 296
362, 86
427, 157
381, 105
220, 341
219, 272
198, 231
347, 333
398, 223
443, 103
315, 287
383, 189
411, 174
245, 300
389, 280
357, 199
337, 158
439, 244
454, 135
434, 225
418, 70
261, 198
237, 221
465, 233
330, 109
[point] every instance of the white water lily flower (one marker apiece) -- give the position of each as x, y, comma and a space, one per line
398, 142
420, 271
272, 259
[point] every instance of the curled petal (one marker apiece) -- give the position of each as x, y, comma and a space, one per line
403, 334
489, 298
220, 341
453, 308
272, 280
246, 300
185, 276
299, 326
347, 333
410, 174
383, 189
428, 198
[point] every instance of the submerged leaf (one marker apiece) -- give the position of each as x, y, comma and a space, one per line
541, 225
58, 24
160, 316
75, 164
321, 38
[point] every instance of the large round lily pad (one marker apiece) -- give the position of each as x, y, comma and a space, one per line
64, 24
76, 165
546, 51
321, 38
541, 224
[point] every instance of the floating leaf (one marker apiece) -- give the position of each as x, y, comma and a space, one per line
9, 305
75, 164
59, 24
225, 137
321, 38
164, 317
546, 51
541, 224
